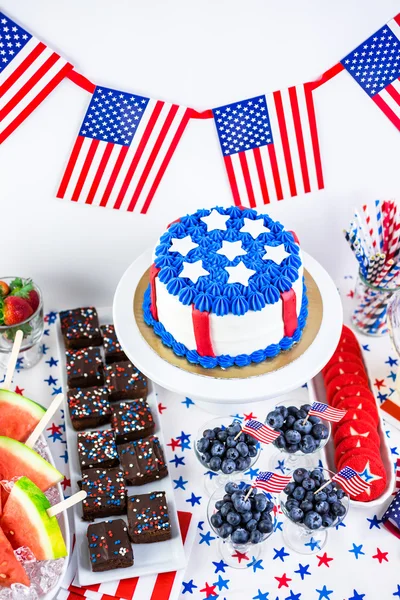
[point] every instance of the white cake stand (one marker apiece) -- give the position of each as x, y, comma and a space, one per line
226, 395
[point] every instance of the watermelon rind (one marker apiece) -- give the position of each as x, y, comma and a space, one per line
35, 409
45, 474
18, 415
28, 499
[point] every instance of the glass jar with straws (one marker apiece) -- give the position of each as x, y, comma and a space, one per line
377, 250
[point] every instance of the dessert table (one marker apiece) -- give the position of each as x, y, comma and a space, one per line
360, 559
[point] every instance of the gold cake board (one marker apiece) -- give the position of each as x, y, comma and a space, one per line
283, 359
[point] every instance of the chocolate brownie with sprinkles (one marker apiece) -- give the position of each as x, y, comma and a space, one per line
148, 519
109, 545
97, 449
106, 493
125, 382
80, 327
131, 420
84, 367
88, 407
112, 348
142, 461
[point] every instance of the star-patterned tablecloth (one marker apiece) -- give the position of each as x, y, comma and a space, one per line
360, 560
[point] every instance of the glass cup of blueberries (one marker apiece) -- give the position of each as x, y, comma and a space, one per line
311, 514
240, 522
224, 451
297, 440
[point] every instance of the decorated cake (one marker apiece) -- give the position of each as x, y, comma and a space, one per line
226, 288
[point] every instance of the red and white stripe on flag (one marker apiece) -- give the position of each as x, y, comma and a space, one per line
122, 171
270, 146
29, 72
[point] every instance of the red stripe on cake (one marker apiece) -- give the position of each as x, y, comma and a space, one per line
290, 321
201, 327
294, 234
154, 271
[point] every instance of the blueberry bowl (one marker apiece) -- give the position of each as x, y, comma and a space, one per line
241, 523
221, 454
299, 441
311, 514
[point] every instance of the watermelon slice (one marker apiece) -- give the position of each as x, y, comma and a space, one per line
11, 571
25, 522
16, 460
18, 415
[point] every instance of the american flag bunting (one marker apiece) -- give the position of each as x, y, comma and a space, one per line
260, 431
351, 481
29, 72
270, 146
318, 409
375, 65
271, 482
123, 148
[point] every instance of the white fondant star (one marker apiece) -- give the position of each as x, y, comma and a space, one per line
254, 227
183, 246
193, 270
240, 274
231, 249
276, 253
215, 221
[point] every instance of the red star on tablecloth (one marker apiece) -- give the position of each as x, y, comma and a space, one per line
240, 556
161, 408
54, 429
66, 483
283, 581
350, 294
380, 383
174, 444
324, 560
209, 590
249, 416
381, 556
19, 390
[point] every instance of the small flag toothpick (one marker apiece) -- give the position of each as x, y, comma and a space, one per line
259, 431
318, 409
271, 482
350, 481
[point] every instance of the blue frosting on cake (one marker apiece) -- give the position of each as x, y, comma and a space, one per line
212, 292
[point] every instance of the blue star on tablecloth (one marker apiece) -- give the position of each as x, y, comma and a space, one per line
374, 522
357, 596
255, 564
180, 483
188, 586
56, 391
211, 474
324, 594
392, 362
252, 473
341, 524
52, 362
51, 318
200, 525
46, 332
206, 538
392, 375
194, 500
65, 456
221, 583
261, 595
219, 566
51, 380
357, 550
277, 525
381, 397
293, 596
281, 466
184, 439
188, 402
303, 570
394, 451
398, 591
280, 554
313, 544
44, 349
178, 460
366, 348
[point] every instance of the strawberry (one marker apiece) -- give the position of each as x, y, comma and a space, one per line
25, 289
14, 310
4, 288
33, 299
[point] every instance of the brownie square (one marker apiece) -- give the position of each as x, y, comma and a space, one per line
84, 367
112, 347
109, 545
80, 327
131, 420
97, 449
148, 519
142, 461
106, 493
88, 407
125, 382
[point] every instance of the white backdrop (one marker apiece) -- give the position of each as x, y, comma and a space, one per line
202, 54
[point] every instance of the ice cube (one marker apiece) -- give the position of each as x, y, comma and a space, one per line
24, 555
5, 594
7, 484
42, 448
50, 573
21, 592
53, 495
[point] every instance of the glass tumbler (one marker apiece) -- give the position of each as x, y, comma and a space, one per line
30, 352
369, 317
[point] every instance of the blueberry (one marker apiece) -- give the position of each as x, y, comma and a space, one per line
255, 536
206, 457
280, 442
296, 514
327, 520
269, 507
257, 515
231, 487
292, 437
250, 440
233, 518
246, 516
222, 435
252, 524
306, 407
340, 493
338, 509
291, 503
209, 434
260, 502
232, 453
203, 444
275, 419
329, 488
290, 420
226, 498
306, 505
216, 430
322, 507
240, 536
289, 489
299, 493
283, 410
230, 441
236, 425
308, 484
252, 451
299, 475
228, 466
219, 504
241, 438
312, 520
317, 474
241, 504
216, 520
215, 463
243, 463
293, 410
320, 431
265, 526
225, 530
243, 449
292, 448
314, 420
320, 497
225, 508
332, 497
308, 444
217, 449
301, 414
298, 426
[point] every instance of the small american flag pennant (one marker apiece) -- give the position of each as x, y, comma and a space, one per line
271, 482
260, 431
351, 481
318, 409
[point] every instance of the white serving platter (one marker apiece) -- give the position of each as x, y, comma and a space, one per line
158, 557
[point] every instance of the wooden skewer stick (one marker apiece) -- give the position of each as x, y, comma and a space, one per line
306, 419
64, 504
13, 359
251, 488
32, 439
323, 486
238, 435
